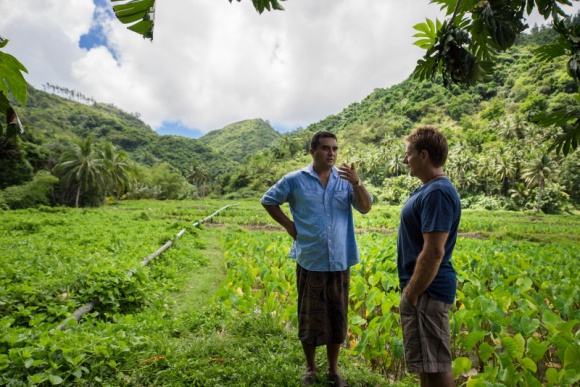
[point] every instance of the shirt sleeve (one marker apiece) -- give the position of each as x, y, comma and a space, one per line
277, 194
436, 212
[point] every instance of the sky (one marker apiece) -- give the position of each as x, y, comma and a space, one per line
213, 63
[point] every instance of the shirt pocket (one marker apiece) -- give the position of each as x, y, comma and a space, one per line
341, 200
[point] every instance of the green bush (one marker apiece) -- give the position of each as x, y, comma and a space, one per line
32, 194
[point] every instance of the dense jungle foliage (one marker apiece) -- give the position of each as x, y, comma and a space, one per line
82, 154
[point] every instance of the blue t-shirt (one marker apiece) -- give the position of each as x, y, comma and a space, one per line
431, 207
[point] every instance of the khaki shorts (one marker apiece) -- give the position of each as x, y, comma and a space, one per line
426, 335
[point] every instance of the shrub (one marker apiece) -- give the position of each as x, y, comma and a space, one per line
32, 194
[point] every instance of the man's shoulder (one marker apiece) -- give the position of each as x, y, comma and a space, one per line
296, 174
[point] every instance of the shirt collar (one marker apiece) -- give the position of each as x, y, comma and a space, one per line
310, 170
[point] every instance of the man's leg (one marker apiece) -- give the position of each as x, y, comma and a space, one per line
332, 351
309, 352
441, 379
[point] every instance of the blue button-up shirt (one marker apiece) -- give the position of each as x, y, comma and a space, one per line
325, 239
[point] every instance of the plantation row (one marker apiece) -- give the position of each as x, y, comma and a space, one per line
516, 320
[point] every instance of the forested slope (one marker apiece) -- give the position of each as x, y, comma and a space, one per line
499, 158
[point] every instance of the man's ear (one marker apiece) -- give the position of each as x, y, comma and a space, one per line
424, 154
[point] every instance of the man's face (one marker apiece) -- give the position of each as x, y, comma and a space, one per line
324, 156
414, 160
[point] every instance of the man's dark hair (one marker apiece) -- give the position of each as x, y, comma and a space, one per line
429, 138
318, 135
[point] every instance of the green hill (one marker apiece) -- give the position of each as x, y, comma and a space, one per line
52, 122
242, 138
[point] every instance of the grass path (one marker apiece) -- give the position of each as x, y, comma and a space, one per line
205, 281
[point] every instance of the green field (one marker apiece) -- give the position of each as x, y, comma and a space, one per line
218, 307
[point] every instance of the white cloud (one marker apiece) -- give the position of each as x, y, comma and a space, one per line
213, 63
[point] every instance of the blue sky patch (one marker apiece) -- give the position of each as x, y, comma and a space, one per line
96, 36
178, 129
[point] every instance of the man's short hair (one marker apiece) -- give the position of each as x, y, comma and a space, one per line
429, 138
318, 135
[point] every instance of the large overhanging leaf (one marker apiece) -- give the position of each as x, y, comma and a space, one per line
141, 13
11, 81
262, 5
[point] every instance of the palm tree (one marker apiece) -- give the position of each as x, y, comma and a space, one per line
505, 169
117, 166
198, 174
539, 170
486, 168
79, 164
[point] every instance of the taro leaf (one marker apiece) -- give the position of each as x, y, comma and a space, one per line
528, 325
569, 377
460, 365
552, 376
485, 351
520, 345
397, 347
510, 346
536, 349
531, 380
528, 364
472, 338
572, 357
508, 374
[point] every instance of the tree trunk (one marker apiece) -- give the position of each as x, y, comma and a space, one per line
78, 196
540, 192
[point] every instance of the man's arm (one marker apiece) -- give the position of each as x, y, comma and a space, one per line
427, 264
279, 216
362, 198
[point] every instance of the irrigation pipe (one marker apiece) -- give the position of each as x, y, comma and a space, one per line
86, 308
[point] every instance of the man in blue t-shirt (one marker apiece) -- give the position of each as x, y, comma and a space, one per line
427, 235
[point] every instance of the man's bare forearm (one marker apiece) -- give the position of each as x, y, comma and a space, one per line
427, 265
362, 198
279, 216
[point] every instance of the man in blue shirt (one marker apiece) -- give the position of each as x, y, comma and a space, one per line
321, 197
427, 235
